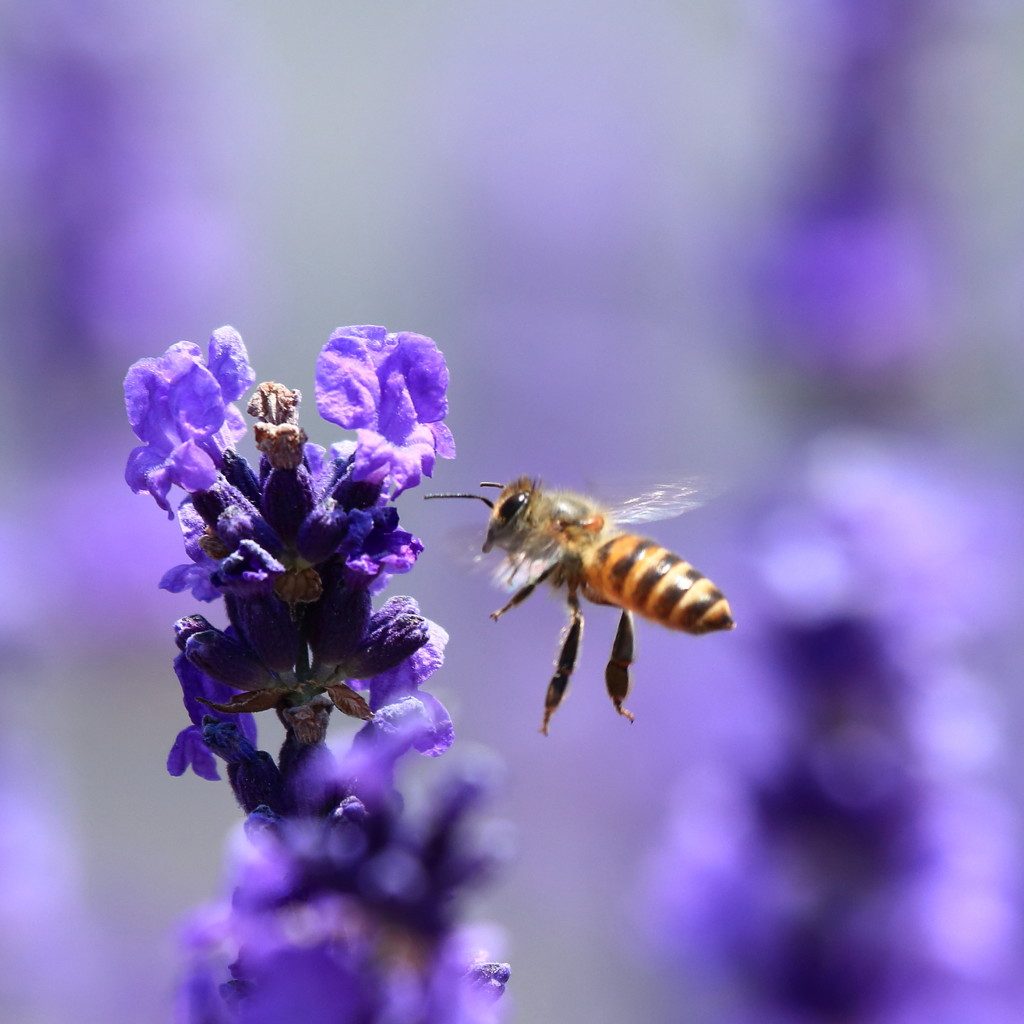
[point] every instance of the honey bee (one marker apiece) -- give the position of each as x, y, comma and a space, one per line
569, 540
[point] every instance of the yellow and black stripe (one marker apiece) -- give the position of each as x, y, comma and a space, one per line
650, 580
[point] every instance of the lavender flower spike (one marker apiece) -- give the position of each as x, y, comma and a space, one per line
391, 389
181, 409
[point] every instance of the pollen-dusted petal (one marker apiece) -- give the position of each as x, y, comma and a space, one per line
426, 373
347, 388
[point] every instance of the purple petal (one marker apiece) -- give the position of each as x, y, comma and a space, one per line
426, 375
229, 363
347, 388
410, 674
441, 735
189, 751
190, 576
192, 467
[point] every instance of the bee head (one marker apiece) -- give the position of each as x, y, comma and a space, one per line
509, 511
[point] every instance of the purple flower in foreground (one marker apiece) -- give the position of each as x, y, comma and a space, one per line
341, 909
390, 389
295, 550
859, 869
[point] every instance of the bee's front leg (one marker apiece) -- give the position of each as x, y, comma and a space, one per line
616, 674
521, 595
565, 664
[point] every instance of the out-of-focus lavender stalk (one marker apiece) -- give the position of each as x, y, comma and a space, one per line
116, 219
858, 868
341, 909
849, 283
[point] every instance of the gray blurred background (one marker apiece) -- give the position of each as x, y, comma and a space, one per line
579, 202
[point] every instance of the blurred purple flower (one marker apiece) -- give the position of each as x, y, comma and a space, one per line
116, 228
390, 389
836, 878
341, 908
850, 281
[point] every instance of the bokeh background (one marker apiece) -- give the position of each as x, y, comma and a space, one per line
776, 246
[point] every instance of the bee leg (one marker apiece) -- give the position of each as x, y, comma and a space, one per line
616, 674
565, 664
521, 595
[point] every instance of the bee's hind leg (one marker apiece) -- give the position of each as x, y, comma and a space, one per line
616, 674
566, 663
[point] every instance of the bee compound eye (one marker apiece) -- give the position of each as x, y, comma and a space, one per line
511, 505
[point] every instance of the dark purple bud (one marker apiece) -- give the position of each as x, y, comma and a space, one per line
489, 978
238, 523
262, 821
189, 626
390, 640
253, 775
307, 766
361, 494
287, 500
335, 626
211, 504
351, 809
225, 659
322, 533
267, 626
239, 474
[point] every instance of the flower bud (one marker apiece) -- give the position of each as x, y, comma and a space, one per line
254, 777
223, 658
266, 625
322, 532
287, 500
335, 625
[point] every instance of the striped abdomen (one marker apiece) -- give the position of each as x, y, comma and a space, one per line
648, 579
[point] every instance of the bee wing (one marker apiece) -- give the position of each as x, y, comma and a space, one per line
664, 502
512, 574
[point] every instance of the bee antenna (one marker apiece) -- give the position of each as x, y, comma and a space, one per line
485, 484
479, 497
